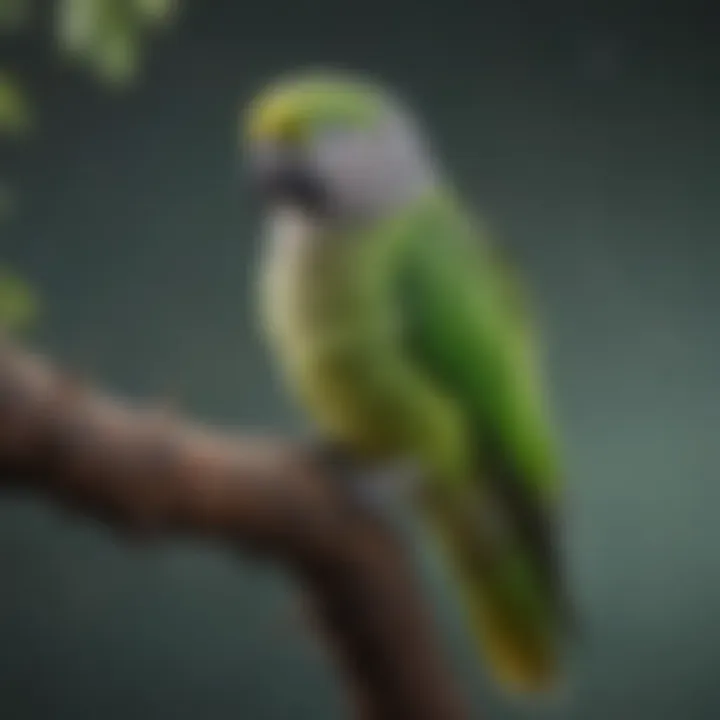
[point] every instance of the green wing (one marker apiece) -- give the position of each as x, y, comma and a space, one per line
469, 328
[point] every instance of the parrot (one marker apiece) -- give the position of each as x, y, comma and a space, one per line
405, 333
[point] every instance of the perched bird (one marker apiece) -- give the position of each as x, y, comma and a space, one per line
406, 335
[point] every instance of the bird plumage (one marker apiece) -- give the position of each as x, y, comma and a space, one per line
404, 334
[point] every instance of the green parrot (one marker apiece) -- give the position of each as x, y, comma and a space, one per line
405, 334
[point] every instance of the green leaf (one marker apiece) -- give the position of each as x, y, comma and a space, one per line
77, 25
156, 12
104, 35
117, 59
18, 303
108, 36
15, 116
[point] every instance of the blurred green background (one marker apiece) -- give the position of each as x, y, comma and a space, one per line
587, 132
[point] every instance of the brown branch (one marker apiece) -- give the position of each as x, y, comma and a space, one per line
146, 471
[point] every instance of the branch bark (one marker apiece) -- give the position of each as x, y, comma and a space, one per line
145, 471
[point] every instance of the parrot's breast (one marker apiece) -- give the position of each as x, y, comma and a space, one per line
329, 333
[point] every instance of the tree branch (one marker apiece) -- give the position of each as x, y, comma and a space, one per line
147, 471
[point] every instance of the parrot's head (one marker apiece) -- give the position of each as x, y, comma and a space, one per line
335, 146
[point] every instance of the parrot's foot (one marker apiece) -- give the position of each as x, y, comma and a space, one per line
377, 489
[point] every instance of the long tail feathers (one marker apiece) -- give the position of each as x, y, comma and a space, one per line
512, 614
522, 656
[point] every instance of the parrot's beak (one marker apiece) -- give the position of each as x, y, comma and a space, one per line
280, 175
